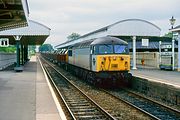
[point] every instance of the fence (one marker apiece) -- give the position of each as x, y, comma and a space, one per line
151, 59
7, 59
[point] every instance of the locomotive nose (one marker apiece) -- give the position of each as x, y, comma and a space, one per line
114, 63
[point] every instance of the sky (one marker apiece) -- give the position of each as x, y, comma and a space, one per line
64, 17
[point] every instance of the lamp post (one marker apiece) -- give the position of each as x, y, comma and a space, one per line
172, 22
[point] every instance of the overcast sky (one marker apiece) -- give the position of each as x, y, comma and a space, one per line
64, 17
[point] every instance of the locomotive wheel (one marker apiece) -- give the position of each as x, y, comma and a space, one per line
91, 78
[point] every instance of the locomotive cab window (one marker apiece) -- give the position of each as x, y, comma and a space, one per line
69, 52
110, 49
95, 50
120, 49
105, 49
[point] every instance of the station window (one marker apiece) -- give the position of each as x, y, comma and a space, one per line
69, 52
95, 49
4, 42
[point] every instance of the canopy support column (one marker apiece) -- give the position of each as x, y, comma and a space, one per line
179, 52
22, 54
134, 53
25, 53
18, 68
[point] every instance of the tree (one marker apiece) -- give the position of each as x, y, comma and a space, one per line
10, 49
73, 36
169, 34
46, 47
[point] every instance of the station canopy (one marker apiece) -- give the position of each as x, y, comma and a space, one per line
13, 14
124, 29
176, 29
34, 34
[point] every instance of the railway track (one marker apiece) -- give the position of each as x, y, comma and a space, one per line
148, 106
151, 108
77, 103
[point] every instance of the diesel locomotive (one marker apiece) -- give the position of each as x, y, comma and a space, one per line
102, 61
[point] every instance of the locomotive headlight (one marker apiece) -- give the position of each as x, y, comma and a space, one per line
114, 58
126, 65
122, 58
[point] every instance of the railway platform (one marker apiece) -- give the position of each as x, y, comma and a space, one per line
26, 95
156, 75
161, 85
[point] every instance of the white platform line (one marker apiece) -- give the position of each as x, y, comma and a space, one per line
61, 113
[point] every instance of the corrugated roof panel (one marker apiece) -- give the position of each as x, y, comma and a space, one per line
33, 29
13, 14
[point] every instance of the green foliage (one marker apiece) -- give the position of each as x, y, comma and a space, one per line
169, 34
10, 49
46, 47
73, 36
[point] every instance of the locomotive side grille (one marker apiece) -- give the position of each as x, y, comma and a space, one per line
114, 65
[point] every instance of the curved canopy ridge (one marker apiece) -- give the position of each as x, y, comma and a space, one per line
128, 27
133, 27
34, 34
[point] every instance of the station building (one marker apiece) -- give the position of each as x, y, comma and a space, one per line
142, 36
34, 34
177, 30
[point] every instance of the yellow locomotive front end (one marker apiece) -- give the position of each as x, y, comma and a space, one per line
113, 62
110, 62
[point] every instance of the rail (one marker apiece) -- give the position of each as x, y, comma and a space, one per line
78, 104
151, 108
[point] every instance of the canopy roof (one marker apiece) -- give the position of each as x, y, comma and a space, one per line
176, 29
13, 14
34, 34
128, 27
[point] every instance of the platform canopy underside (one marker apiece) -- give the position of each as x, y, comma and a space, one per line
13, 14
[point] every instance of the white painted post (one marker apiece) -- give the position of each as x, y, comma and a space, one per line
134, 53
179, 52
173, 53
18, 68
159, 52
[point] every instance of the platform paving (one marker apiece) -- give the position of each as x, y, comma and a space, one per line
157, 75
26, 95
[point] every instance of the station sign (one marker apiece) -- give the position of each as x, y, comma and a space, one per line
145, 42
164, 46
166, 50
166, 53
